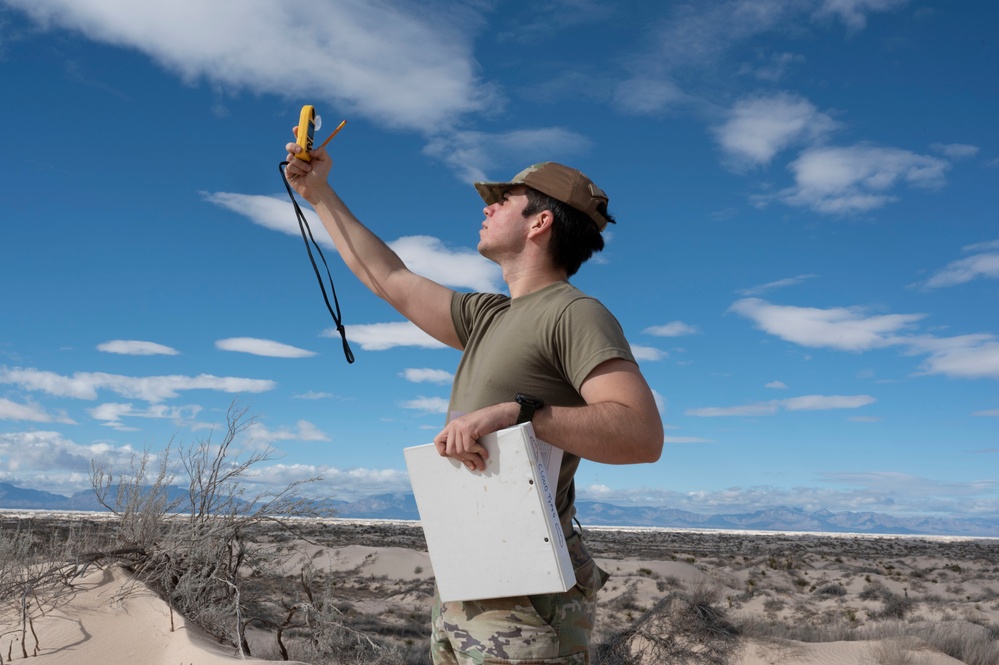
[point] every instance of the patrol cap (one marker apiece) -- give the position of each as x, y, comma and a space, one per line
559, 182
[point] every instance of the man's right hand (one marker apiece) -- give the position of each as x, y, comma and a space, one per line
309, 179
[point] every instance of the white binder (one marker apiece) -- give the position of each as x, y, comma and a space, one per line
493, 533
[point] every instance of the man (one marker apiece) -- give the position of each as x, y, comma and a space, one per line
547, 353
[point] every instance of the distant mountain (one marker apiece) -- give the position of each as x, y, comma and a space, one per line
402, 506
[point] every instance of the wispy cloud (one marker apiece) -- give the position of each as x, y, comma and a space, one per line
457, 267
955, 150
649, 353
262, 347
427, 404
461, 268
757, 128
383, 336
130, 347
672, 329
30, 412
776, 385
427, 375
853, 329
696, 36
856, 179
111, 414
803, 403
845, 328
396, 63
259, 435
778, 284
153, 389
854, 12
963, 356
983, 262
476, 155
686, 439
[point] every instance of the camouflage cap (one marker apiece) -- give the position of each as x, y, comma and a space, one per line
559, 182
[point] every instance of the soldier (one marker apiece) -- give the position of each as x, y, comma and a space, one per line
547, 353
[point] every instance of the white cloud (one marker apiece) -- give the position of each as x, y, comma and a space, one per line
261, 436
991, 413
778, 284
758, 128
845, 328
745, 410
685, 439
30, 412
136, 348
955, 150
776, 385
699, 35
964, 356
671, 329
851, 329
458, 268
859, 178
85, 385
111, 413
312, 394
660, 402
270, 212
984, 263
262, 347
854, 12
472, 154
425, 255
33, 453
344, 484
427, 404
382, 336
647, 96
427, 375
648, 353
398, 64
803, 403
825, 402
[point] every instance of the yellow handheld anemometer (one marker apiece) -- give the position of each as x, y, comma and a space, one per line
308, 123
306, 132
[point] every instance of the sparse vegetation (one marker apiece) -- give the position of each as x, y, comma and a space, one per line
742, 594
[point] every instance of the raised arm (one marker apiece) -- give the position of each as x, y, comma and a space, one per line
424, 302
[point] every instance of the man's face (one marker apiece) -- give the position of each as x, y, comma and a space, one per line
504, 230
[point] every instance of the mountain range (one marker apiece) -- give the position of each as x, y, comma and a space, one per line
402, 506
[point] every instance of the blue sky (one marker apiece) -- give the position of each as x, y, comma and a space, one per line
806, 258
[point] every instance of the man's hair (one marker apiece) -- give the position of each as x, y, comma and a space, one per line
575, 237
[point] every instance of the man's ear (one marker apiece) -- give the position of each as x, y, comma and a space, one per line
542, 223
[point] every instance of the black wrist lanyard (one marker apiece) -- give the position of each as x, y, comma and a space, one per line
303, 226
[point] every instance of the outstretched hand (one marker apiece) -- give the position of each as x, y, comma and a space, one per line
307, 178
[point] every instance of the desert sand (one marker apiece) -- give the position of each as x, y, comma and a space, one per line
793, 598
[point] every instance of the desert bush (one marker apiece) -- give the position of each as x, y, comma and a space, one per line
835, 590
892, 651
680, 629
970, 643
199, 560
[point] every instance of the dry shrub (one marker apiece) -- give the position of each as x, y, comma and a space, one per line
680, 629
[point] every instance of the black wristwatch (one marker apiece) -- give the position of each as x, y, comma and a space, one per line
528, 406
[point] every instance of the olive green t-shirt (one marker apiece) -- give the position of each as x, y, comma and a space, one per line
543, 344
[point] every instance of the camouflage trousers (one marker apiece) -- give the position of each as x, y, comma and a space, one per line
547, 629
